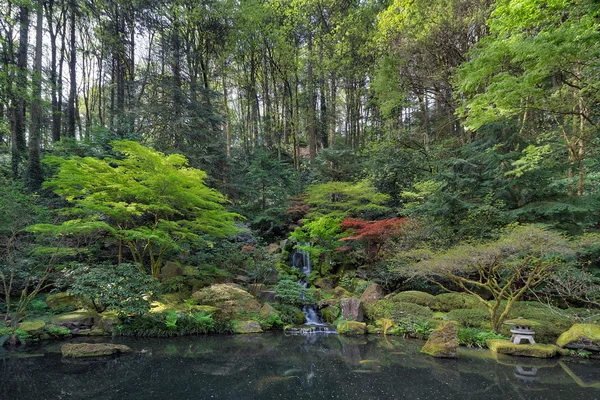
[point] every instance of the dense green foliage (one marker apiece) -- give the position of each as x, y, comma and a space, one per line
446, 150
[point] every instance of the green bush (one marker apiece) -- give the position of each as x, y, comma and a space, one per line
452, 301
397, 310
469, 318
123, 288
290, 315
472, 337
415, 297
293, 293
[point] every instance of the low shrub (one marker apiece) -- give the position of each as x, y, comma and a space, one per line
412, 327
415, 297
453, 301
470, 318
170, 324
473, 337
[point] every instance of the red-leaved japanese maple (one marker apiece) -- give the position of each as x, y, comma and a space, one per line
374, 234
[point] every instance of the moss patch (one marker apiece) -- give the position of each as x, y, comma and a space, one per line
352, 328
525, 350
79, 350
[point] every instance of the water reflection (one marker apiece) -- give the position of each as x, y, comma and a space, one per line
291, 367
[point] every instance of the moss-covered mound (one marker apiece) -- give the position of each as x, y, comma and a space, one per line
585, 336
234, 302
470, 318
79, 350
452, 301
527, 350
397, 310
415, 297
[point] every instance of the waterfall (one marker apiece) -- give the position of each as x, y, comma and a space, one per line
301, 260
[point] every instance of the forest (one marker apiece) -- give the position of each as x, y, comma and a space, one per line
167, 167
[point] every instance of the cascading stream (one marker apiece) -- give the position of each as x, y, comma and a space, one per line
313, 324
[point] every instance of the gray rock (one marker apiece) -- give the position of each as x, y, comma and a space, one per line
352, 309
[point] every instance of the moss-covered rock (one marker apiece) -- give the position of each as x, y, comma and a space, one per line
372, 294
234, 302
581, 336
415, 297
76, 320
352, 328
79, 350
340, 292
267, 311
324, 283
442, 342
397, 310
526, 350
33, 328
242, 327
63, 300
452, 301
108, 320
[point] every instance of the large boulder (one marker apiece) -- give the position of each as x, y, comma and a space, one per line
33, 328
442, 342
63, 300
76, 320
526, 350
352, 309
581, 336
352, 328
324, 283
246, 327
372, 294
79, 350
234, 302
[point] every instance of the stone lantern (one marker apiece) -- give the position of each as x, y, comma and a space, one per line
521, 330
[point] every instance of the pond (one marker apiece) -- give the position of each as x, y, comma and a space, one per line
276, 366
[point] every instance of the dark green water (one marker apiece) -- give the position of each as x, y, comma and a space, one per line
274, 366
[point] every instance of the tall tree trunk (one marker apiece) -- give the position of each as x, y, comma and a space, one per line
34, 170
19, 104
311, 112
71, 111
